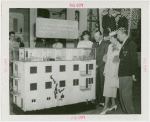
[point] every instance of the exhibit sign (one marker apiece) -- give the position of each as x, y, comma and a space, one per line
55, 28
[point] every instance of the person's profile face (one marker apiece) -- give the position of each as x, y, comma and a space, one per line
12, 37
98, 37
120, 36
86, 37
96, 28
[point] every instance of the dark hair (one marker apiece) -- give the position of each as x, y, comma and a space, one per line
123, 30
11, 32
99, 32
85, 33
106, 35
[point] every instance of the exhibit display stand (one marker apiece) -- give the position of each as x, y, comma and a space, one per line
45, 78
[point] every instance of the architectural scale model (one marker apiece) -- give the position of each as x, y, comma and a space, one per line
45, 78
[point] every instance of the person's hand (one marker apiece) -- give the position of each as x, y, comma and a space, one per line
133, 77
116, 59
105, 58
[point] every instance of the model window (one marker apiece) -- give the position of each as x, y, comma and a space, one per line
33, 100
48, 85
21, 103
33, 86
33, 70
90, 80
62, 68
48, 98
75, 82
62, 83
26, 53
48, 69
76, 67
16, 83
16, 67
87, 79
87, 68
90, 66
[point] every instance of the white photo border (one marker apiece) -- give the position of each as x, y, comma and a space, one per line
144, 116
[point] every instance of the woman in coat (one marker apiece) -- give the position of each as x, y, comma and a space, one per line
111, 73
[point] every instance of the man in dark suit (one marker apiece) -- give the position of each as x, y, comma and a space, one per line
108, 22
127, 70
123, 21
101, 49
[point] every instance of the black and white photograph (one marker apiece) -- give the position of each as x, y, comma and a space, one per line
75, 61
71, 67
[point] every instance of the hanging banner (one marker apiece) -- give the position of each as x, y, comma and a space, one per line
54, 28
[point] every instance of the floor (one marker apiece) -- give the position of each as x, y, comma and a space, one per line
98, 109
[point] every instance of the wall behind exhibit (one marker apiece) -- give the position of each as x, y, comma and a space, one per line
82, 22
19, 18
82, 18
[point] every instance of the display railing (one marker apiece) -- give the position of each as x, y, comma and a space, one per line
51, 54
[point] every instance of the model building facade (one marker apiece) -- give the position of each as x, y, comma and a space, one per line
45, 78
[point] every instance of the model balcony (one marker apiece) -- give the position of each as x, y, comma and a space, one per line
15, 92
16, 76
85, 73
87, 87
